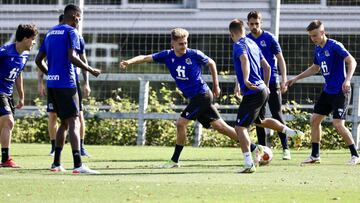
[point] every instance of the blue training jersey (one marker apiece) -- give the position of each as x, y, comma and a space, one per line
11, 65
253, 52
330, 58
57, 42
270, 47
186, 70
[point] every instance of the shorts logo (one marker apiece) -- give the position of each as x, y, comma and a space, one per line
187, 113
341, 111
7, 108
172, 60
188, 61
50, 106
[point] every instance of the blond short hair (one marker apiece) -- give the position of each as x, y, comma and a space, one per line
179, 33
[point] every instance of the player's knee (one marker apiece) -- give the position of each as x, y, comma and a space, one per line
315, 120
338, 124
180, 123
9, 123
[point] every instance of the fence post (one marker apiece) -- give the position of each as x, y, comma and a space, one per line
356, 113
143, 103
198, 133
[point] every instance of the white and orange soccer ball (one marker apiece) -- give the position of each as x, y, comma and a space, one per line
266, 157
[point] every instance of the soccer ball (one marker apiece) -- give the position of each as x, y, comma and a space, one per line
266, 156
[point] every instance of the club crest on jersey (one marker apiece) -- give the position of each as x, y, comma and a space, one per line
327, 53
172, 60
263, 43
188, 61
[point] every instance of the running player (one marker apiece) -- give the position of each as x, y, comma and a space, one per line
13, 58
330, 57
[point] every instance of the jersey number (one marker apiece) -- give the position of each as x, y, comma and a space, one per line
181, 71
324, 67
13, 73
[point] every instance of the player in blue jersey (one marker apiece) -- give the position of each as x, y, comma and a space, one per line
184, 65
271, 50
13, 58
248, 63
52, 121
60, 47
330, 57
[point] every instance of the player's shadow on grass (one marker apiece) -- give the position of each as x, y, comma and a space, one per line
156, 160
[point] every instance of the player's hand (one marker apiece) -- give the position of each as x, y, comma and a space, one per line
41, 89
290, 82
20, 104
250, 85
346, 86
95, 72
237, 91
87, 90
283, 87
123, 64
216, 91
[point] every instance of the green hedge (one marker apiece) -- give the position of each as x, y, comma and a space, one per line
33, 129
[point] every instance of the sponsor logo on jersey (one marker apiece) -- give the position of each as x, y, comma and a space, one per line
188, 61
56, 32
53, 77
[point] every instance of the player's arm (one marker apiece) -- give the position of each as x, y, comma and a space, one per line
20, 90
79, 63
41, 87
245, 68
351, 65
136, 60
40, 62
266, 71
85, 74
282, 69
312, 70
216, 88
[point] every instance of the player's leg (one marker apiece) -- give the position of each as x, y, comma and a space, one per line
275, 103
52, 123
340, 105
6, 127
181, 125
248, 112
83, 151
52, 128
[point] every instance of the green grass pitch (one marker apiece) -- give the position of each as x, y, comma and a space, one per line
131, 174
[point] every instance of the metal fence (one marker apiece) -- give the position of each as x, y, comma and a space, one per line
144, 81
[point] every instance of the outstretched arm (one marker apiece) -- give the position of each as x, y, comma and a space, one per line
213, 70
351, 65
313, 69
136, 60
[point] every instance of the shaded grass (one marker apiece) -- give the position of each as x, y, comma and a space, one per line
131, 174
